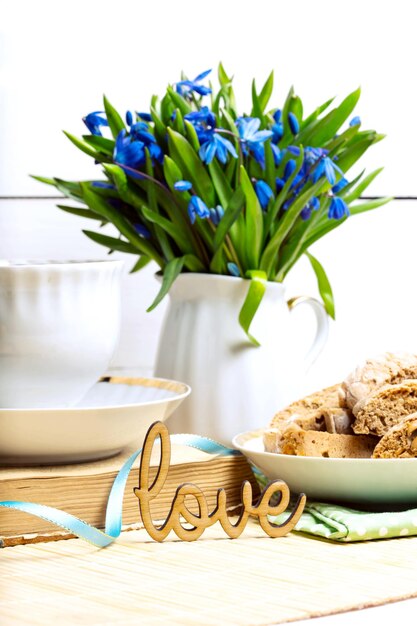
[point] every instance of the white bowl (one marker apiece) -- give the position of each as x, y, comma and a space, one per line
362, 481
113, 414
59, 326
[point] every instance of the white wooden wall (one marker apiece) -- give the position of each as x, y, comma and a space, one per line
56, 60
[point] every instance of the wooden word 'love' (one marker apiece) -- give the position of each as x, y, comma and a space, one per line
179, 513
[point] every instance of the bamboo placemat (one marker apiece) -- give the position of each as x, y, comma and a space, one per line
253, 580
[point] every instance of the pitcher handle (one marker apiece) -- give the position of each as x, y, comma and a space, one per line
322, 331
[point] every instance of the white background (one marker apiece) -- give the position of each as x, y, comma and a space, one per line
57, 58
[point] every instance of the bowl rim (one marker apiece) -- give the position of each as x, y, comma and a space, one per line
183, 391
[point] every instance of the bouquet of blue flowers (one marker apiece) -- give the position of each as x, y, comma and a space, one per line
197, 187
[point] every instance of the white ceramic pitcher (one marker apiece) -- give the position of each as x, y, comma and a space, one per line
235, 386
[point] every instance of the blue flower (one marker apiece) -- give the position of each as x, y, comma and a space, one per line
129, 118
142, 230
218, 146
277, 115
326, 167
277, 154
146, 117
312, 155
197, 207
233, 269
264, 193
295, 150
140, 131
252, 138
293, 123
186, 87
155, 152
279, 184
338, 209
93, 121
312, 205
203, 115
128, 152
102, 185
340, 185
355, 121
277, 132
290, 167
183, 185
216, 214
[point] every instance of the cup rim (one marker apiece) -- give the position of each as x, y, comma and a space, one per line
16, 264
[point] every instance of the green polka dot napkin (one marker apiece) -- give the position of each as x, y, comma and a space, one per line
338, 523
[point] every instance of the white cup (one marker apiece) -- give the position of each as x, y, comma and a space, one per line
59, 326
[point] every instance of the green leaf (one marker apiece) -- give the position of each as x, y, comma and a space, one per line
111, 242
173, 231
281, 197
269, 165
330, 124
369, 205
231, 214
185, 156
178, 101
363, 185
324, 286
270, 253
116, 123
69, 189
253, 220
99, 205
256, 105
312, 118
171, 272
193, 263
100, 143
296, 107
84, 147
178, 123
354, 152
252, 301
221, 184
80, 212
172, 172
42, 179
153, 205
192, 135
231, 124
167, 109
140, 264
224, 79
341, 141
160, 129
266, 92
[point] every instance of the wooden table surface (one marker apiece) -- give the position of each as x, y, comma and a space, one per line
253, 580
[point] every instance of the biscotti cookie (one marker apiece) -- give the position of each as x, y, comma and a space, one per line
400, 442
299, 442
305, 407
331, 420
389, 368
385, 408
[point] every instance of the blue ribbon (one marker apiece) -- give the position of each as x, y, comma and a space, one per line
113, 524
